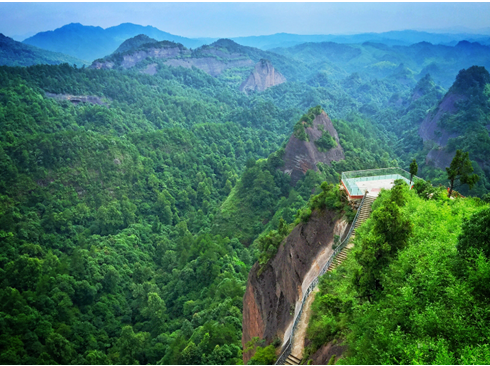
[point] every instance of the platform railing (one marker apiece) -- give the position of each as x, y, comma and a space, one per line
349, 179
289, 343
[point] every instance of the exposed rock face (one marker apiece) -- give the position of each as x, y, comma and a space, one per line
430, 131
130, 60
77, 99
303, 155
272, 299
325, 352
209, 65
262, 77
151, 69
210, 59
104, 65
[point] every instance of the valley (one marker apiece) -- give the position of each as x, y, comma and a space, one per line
169, 200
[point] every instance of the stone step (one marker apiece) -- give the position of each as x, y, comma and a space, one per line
291, 360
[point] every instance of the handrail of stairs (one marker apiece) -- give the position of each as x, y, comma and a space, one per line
288, 345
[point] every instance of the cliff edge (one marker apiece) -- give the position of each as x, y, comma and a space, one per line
272, 298
320, 143
262, 77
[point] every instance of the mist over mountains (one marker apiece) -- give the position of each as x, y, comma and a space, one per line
90, 43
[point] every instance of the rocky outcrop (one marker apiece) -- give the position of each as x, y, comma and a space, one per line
77, 99
272, 299
210, 65
262, 77
429, 129
210, 59
324, 354
431, 132
303, 155
150, 69
135, 42
130, 60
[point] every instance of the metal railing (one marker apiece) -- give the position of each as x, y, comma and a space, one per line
289, 343
351, 178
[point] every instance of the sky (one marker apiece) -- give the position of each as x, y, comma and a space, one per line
200, 19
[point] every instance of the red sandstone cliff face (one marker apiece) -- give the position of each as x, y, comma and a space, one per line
429, 131
272, 299
262, 77
303, 155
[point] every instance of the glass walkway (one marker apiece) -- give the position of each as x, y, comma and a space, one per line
372, 181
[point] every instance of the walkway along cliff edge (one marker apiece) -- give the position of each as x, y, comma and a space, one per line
288, 344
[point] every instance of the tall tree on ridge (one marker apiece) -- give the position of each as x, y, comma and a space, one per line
414, 168
460, 170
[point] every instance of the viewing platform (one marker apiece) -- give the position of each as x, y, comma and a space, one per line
358, 182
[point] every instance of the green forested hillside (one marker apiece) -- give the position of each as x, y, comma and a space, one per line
112, 248
381, 60
13, 53
415, 288
128, 227
106, 249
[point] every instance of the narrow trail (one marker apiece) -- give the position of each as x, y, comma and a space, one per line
293, 352
300, 332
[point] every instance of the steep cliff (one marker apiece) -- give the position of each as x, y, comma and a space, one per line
315, 142
212, 59
272, 298
133, 56
262, 77
460, 117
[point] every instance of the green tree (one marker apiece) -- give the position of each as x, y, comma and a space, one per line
475, 234
459, 172
413, 170
389, 235
264, 356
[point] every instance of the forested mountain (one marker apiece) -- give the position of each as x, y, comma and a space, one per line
13, 53
116, 203
399, 38
135, 195
422, 299
135, 42
224, 56
89, 43
380, 60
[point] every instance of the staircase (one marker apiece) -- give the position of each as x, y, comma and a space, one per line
286, 358
363, 216
292, 360
365, 210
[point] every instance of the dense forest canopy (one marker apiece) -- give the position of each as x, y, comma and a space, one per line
129, 220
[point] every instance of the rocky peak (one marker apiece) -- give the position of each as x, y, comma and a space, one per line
314, 140
473, 77
133, 43
453, 117
262, 77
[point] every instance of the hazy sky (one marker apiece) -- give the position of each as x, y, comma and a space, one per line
243, 19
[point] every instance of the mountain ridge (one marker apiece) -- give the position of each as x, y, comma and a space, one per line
13, 53
90, 43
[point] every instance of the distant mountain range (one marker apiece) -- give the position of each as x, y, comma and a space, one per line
392, 38
13, 53
90, 43
378, 60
